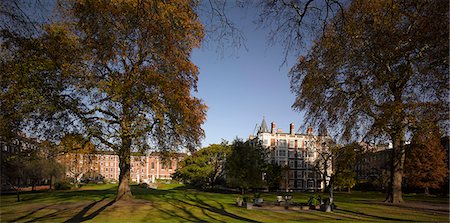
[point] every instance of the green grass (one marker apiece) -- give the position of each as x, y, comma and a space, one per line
175, 203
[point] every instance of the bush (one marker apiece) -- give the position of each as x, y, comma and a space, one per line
63, 185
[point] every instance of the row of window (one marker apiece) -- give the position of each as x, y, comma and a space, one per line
304, 174
142, 170
300, 154
284, 143
308, 184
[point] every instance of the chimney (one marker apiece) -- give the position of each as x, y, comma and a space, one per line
273, 126
291, 127
309, 130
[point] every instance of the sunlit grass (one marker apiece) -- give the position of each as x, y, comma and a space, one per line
176, 203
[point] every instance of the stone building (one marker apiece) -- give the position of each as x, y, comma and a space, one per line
299, 153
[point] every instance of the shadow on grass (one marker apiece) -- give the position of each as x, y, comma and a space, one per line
195, 202
31, 213
184, 202
65, 204
79, 217
372, 216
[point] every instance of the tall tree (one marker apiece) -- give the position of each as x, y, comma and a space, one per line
138, 76
118, 72
425, 165
378, 72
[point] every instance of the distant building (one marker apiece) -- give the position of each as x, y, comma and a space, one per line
298, 151
105, 166
372, 162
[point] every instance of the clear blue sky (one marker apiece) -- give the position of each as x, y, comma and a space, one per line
242, 88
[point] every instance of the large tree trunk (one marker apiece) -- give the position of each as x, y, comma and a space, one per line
124, 191
397, 160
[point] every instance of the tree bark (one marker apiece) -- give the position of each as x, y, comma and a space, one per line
124, 191
397, 160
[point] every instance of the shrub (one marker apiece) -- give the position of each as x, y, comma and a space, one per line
63, 185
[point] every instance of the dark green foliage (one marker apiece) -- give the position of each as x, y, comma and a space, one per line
273, 176
62, 185
205, 168
245, 165
343, 166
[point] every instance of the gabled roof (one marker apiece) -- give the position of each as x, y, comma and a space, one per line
263, 127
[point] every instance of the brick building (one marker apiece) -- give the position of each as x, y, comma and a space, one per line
105, 166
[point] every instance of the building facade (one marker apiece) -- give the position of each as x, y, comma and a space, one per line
105, 166
299, 154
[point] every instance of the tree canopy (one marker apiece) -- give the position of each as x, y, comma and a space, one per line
425, 165
245, 165
117, 72
205, 168
378, 73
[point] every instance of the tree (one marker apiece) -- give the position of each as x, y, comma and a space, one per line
377, 73
273, 176
244, 166
125, 85
322, 146
205, 168
425, 159
343, 166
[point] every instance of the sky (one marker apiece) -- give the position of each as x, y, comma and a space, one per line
240, 88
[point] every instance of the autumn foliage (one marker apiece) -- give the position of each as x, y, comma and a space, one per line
425, 165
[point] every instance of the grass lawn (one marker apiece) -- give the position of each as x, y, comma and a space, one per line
174, 203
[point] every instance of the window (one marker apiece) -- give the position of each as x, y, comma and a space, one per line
282, 152
265, 142
300, 183
291, 174
291, 143
153, 165
310, 184
299, 174
291, 154
282, 143
106, 169
291, 164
